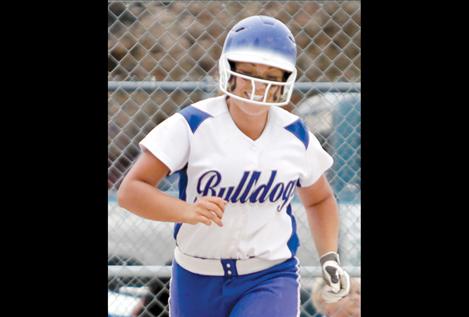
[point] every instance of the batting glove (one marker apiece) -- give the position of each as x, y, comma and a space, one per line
337, 280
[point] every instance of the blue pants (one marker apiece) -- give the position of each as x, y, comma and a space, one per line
274, 292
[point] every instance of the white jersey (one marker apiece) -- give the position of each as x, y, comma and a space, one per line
257, 177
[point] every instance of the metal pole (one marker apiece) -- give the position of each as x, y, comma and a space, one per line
207, 86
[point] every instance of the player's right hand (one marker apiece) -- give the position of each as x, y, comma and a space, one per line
206, 210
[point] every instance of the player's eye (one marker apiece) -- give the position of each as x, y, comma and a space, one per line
246, 73
272, 78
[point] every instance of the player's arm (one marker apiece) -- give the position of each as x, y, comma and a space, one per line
323, 218
138, 193
322, 213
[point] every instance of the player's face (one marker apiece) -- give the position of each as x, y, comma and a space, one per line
243, 87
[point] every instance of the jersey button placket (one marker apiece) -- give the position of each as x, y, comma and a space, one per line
229, 267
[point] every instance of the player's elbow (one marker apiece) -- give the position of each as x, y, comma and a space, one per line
121, 199
123, 195
327, 198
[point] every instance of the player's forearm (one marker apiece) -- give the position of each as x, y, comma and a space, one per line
323, 221
148, 202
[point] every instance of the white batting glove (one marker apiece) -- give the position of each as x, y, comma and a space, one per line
337, 280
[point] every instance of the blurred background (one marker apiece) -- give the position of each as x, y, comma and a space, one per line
162, 57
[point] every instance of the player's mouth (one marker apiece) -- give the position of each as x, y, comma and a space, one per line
256, 97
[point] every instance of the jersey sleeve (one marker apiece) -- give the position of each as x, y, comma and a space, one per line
169, 141
317, 162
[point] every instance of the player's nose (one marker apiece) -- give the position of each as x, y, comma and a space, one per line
260, 89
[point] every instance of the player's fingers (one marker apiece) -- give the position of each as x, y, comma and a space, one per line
217, 220
345, 282
211, 216
217, 200
212, 207
329, 296
202, 219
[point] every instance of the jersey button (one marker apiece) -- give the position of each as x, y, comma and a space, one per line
228, 265
229, 272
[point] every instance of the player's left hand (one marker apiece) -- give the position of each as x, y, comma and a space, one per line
337, 279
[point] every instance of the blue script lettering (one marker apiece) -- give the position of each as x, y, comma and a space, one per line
287, 193
246, 190
208, 181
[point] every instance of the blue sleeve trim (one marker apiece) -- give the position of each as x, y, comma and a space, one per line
299, 129
293, 243
194, 116
182, 195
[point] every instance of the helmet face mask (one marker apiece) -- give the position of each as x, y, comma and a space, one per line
286, 88
259, 40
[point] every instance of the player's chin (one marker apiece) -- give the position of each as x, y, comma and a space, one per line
253, 109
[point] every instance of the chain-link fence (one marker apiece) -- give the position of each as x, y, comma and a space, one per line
163, 56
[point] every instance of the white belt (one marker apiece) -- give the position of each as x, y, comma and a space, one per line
222, 267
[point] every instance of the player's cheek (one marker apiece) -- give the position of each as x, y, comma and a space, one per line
274, 93
244, 84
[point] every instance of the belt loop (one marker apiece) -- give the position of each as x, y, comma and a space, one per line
229, 267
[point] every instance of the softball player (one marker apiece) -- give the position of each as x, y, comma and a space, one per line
240, 158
